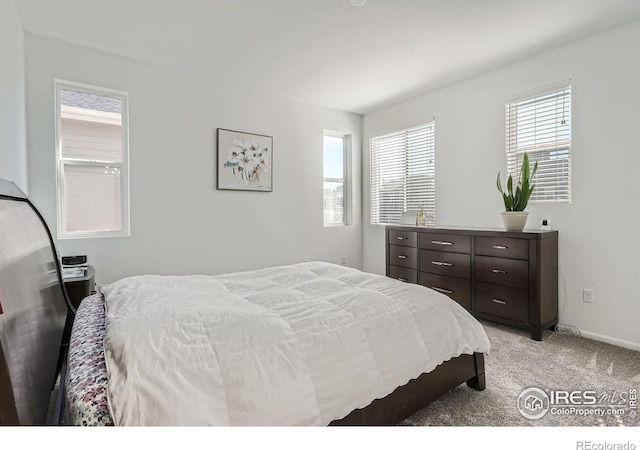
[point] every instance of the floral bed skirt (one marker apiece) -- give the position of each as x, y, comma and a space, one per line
86, 380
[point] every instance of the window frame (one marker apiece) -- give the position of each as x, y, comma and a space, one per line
344, 180
61, 162
430, 129
511, 134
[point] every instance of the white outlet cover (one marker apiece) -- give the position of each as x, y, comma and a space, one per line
588, 295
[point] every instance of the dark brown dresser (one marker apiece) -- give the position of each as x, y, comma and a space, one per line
506, 277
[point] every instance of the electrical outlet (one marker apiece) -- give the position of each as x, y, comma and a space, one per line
344, 260
588, 295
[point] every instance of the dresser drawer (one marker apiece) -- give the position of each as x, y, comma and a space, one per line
406, 238
502, 247
503, 271
403, 274
445, 242
445, 263
457, 289
501, 301
403, 256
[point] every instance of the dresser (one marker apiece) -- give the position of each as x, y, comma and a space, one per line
505, 277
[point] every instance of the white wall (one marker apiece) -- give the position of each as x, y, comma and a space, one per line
180, 223
599, 232
13, 150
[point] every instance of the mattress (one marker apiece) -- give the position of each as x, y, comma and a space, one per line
292, 345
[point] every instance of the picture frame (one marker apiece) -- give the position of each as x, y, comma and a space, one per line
245, 161
409, 218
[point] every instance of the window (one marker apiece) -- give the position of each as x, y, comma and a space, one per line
403, 174
92, 161
335, 185
539, 123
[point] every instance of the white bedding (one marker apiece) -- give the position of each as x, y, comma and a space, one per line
293, 345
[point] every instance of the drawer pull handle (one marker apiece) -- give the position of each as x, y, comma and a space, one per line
400, 238
402, 279
500, 247
440, 263
499, 302
499, 271
441, 243
443, 290
402, 257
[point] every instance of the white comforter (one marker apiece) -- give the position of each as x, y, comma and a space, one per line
295, 345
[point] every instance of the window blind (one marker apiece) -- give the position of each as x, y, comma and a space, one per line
540, 124
403, 174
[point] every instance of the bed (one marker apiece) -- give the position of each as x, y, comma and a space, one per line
306, 344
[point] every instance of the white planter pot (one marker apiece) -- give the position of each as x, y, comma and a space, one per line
514, 220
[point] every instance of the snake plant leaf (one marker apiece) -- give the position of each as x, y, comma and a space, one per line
499, 184
525, 195
524, 171
529, 188
517, 200
528, 196
508, 202
510, 186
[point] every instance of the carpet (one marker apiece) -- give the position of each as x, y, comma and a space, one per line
560, 362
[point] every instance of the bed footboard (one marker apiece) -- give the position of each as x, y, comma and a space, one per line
415, 395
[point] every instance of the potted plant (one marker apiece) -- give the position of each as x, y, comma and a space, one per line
514, 216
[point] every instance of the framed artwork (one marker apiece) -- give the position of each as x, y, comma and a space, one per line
409, 218
244, 161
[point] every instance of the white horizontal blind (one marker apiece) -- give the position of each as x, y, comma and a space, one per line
403, 174
92, 198
540, 124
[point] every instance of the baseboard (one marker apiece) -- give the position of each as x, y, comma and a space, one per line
609, 340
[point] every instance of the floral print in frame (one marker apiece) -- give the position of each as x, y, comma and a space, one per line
244, 161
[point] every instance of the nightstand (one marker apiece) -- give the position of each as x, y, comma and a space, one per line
80, 287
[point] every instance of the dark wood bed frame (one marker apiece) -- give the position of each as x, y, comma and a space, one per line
35, 318
33, 311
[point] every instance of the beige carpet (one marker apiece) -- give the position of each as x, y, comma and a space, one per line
560, 362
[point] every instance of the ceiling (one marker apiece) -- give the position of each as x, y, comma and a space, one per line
327, 52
